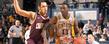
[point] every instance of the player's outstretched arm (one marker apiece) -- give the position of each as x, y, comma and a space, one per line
19, 11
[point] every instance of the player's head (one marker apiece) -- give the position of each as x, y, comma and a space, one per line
89, 21
42, 8
90, 38
53, 20
64, 8
17, 22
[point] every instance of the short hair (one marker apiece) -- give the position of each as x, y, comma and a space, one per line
17, 20
89, 20
90, 32
39, 4
65, 4
91, 35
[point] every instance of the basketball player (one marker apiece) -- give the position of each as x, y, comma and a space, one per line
38, 20
65, 20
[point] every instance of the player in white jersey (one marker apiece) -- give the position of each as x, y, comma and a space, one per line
65, 21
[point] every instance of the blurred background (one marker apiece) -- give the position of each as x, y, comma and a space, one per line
98, 9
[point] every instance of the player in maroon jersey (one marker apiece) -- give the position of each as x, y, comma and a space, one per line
38, 20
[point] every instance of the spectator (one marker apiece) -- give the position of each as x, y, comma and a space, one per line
91, 39
75, 2
101, 20
50, 31
86, 4
66, 21
102, 38
97, 25
11, 19
97, 28
58, 41
107, 25
97, 31
105, 31
15, 32
51, 38
84, 36
88, 26
105, 37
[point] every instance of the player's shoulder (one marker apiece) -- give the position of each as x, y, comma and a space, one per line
33, 15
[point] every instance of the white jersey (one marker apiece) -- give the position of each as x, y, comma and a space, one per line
64, 23
27, 34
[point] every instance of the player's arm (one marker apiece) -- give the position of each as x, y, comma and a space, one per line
19, 11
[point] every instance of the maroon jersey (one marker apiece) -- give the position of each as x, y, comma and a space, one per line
36, 29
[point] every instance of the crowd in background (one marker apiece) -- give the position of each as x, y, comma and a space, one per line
98, 32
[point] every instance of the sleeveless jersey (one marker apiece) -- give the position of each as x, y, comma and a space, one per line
36, 30
65, 24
